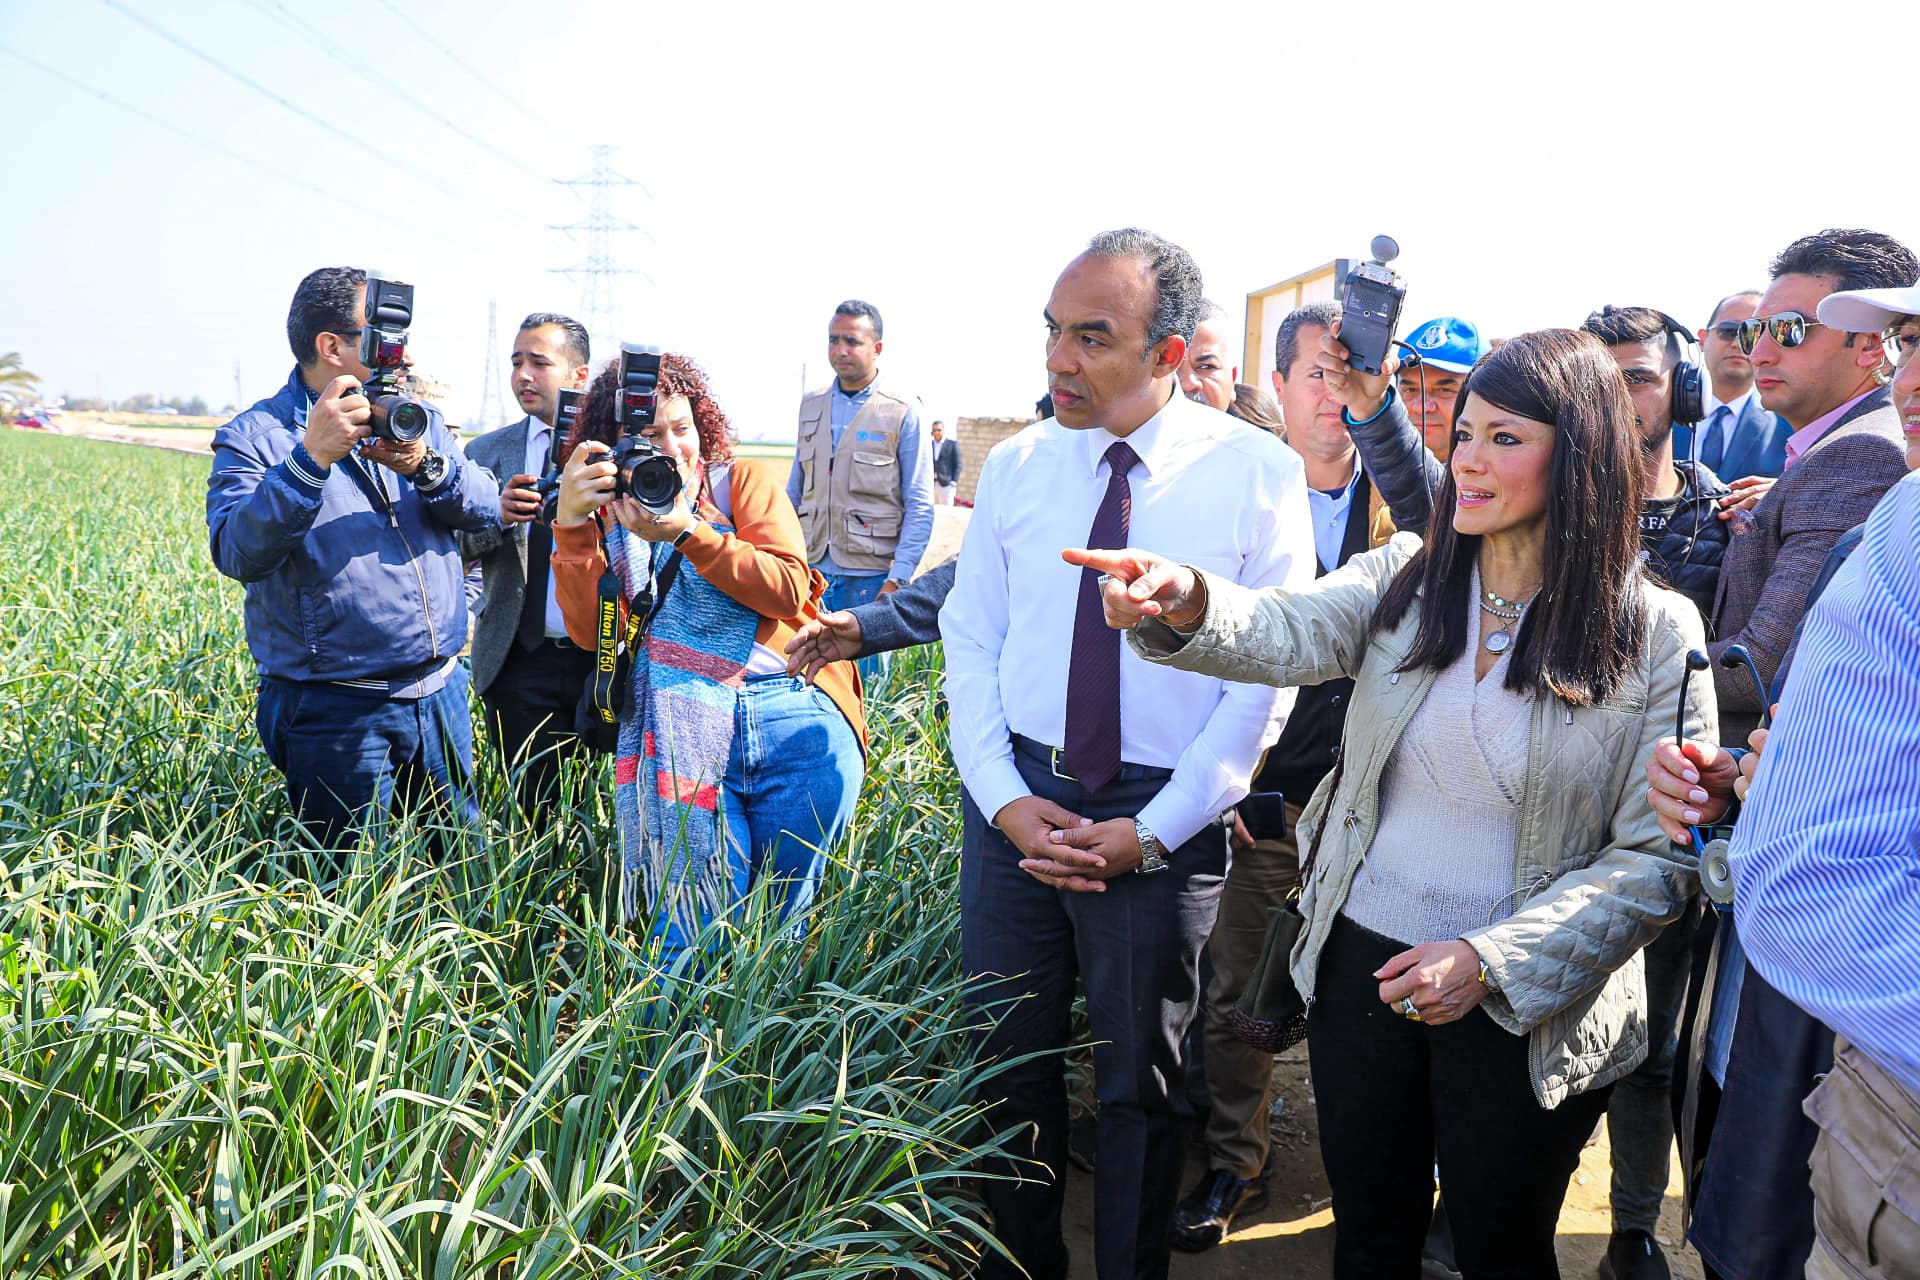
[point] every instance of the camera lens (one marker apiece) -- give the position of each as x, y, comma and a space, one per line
407, 420
656, 483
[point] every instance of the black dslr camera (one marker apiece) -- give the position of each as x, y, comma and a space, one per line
645, 474
564, 414
397, 416
1370, 308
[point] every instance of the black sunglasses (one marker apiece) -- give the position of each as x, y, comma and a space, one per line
1726, 330
1787, 329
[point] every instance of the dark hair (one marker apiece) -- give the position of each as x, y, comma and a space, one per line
1617, 326
1209, 310
1176, 279
1043, 407
1586, 628
1254, 405
576, 346
1851, 258
1286, 340
863, 311
679, 376
1713, 317
324, 302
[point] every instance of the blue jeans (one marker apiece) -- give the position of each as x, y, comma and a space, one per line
347, 756
844, 591
792, 780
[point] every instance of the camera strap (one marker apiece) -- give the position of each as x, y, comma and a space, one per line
613, 651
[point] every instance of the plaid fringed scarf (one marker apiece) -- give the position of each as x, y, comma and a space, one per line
674, 743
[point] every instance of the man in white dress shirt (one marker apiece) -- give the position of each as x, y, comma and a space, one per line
1094, 782
528, 674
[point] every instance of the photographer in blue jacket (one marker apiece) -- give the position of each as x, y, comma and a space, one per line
344, 537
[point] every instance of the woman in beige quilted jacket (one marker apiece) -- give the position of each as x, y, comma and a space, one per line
1483, 869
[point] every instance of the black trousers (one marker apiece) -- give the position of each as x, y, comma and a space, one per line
530, 709
1137, 949
1392, 1092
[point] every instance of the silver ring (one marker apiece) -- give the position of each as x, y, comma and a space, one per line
1409, 1008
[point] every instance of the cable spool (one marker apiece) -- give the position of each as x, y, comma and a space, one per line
1716, 872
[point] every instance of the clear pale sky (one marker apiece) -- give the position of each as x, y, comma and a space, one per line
942, 161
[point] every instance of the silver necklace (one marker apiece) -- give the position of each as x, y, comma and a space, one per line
1509, 612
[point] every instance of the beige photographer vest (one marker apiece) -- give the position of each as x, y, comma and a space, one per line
850, 504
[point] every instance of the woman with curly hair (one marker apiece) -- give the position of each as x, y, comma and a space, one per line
728, 770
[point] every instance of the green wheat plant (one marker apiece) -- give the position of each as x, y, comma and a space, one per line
217, 1060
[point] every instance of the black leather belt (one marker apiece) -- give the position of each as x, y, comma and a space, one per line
1051, 759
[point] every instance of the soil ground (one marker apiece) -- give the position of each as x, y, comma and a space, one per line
1293, 1236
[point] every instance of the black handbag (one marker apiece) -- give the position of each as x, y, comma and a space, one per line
1271, 1014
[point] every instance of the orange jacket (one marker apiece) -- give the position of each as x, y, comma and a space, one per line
762, 565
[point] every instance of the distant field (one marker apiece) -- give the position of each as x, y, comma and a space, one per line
765, 449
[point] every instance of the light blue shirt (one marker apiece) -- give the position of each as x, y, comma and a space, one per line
1329, 513
916, 484
1826, 859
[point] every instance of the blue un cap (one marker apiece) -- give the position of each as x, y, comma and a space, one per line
1449, 343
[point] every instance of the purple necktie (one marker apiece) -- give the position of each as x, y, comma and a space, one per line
1092, 750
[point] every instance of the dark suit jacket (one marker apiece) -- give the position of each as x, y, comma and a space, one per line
908, 617
1769, 569
1758, 448
946, 461
502, 554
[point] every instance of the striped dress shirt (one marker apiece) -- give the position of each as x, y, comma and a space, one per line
1826, 862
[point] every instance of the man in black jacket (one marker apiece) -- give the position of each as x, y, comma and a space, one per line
1682, 536
1684, 541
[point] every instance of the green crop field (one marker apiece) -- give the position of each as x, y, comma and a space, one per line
211, 1066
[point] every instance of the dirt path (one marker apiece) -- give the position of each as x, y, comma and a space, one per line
1293, 1238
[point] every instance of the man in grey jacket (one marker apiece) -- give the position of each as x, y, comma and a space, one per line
907, 617
1845, 452
526, 671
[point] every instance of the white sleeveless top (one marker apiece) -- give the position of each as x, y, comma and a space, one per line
762, 661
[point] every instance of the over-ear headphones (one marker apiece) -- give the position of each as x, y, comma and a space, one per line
1688, 399
1689, 402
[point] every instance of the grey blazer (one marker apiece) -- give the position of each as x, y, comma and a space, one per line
1770, 568
502, 554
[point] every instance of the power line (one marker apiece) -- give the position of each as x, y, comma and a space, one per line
222, 148
491, 84
597, 274
389, 86
377, 153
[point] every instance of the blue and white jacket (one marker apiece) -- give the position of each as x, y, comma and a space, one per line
352, 573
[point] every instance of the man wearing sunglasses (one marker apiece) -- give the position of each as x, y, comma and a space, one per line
1754, 1056
1739, 438
1845, 452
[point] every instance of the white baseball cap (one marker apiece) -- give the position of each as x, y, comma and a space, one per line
1869, 310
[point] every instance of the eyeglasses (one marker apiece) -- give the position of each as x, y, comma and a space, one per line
1901, 346
1787, 329
1726, 330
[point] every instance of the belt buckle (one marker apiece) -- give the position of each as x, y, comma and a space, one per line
1053, 763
